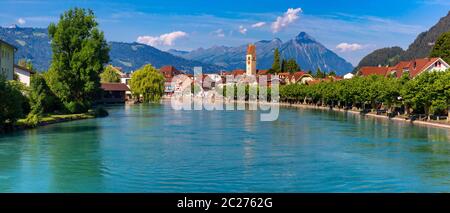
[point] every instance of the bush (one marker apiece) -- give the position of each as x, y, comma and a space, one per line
32, 120
42, 99
11, 104
101, 112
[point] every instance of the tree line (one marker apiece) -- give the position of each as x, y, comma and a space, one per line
72, 82
428, 93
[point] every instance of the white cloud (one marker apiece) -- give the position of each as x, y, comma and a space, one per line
288, 17
219, 33
346, 47
21, 21
259, 24
242, 29
167, 39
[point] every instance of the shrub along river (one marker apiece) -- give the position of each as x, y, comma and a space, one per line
153, 148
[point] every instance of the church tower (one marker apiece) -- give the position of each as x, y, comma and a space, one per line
251, 59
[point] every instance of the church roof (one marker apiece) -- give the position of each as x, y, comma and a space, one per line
251, 50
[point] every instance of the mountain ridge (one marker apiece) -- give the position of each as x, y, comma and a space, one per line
34, 44
420, 48
307, 51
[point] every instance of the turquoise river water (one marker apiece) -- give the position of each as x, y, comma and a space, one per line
153, 148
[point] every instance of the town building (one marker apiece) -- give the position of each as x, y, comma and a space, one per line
349, 75
23, 74
413, 68
301, 78
251, 60
7, 60
114, 93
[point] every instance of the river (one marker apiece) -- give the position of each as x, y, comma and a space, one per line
153, 148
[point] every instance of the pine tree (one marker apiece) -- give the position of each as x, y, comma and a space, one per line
276, 62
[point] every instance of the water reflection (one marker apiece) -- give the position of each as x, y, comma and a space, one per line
153, 148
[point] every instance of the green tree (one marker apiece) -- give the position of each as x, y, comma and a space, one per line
11, 104
109, 75
147, 83
292, 66
26, 64
42, 99
276, 62
332, 73
442, 47
320, 74
283, 65
79, 53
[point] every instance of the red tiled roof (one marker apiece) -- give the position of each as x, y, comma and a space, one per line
370, 70
298, 75
251, 50
114, 87
169, 71
238, 72
263, 72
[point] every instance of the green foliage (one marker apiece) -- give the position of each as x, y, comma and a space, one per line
320, 74
100, 112
110, 75
42, 99
32, 120
386, 56
442, 47
11, 104
332, 73
292, 66
283, 65
428, 93
276, 66
79, 53
26, 64
147, 82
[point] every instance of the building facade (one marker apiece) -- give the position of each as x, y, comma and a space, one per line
412, 68
251, 60
7, 60
23, 74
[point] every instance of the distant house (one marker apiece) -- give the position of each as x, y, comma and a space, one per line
349, 75
373, 70
169, 71
114, 93
23, 74
413, 68
7, 60
301, 78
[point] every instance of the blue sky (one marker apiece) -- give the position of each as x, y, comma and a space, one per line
351, 28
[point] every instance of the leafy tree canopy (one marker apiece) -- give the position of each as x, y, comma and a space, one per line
110, 75
79, 54
147, 83
442, 47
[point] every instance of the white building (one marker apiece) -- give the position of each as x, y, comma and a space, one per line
349, 75
23, 74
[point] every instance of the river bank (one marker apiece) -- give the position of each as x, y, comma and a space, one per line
371, 114
442, 124
23, 124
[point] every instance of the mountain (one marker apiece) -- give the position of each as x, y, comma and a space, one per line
309, 54
420, 48
34, 44
31, 43
384, 56
177, 52
131, 56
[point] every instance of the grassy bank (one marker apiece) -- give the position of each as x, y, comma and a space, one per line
59, 118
